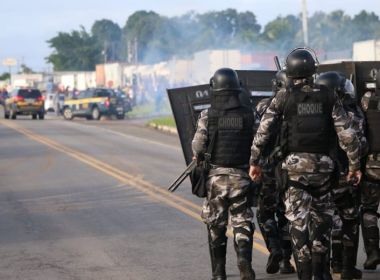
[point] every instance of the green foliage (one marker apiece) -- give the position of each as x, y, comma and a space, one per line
166, 121
77, 50
157, 38
108, 36
283, 32
5, 76
25, 69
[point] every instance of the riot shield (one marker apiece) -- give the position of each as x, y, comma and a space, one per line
188, 102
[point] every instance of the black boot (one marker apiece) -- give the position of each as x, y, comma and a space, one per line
305, 271
336, 261
349, 272
320, 267
286, 267
244, 256
218, 256
275, 256
273, 264
371, 244
373, 259
219, 268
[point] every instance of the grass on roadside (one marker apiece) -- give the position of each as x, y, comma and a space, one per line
141, 110
166, 121
149, 109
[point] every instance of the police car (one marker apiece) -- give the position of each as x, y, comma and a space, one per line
94, 103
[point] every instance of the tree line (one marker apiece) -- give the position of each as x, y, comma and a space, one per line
148, 37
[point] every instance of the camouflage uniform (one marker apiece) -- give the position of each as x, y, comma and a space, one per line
345, 229
370, 197
227, 192
308, 198
227, 196
270, 206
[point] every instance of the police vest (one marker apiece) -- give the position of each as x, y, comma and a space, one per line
307, 117
234, 135
373, 122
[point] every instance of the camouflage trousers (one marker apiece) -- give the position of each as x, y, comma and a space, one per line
271, 205
309, 210
370, 197
345, 229
227, 198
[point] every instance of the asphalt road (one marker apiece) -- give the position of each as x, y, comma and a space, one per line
88, 200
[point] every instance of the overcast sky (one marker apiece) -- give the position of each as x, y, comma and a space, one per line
26, 25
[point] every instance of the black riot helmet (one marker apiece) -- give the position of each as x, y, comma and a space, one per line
225, 79
301, 63
337, 82
332, 79
280, 81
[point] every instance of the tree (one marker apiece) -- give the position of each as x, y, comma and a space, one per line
76, 51
142, 27
365, 26
247, 29
5, 76
330, 31
108, 37
283, 33
25, 69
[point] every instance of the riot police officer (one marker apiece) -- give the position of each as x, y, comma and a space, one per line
228, 125
370, 189
345, 233
270, 203
311, 115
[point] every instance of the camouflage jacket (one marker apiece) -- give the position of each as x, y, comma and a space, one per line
358, 124
199, 143
260, 109
307, 162
373, 160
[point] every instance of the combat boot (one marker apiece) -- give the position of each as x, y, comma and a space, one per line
371, 244
244, 256
349, 272
336, 260
286, 267
218, 255
373, 259
219, 266
275, 256
320, 267
304, 271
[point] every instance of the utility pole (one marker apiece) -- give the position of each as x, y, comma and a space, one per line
304, 23
104, 52
135, 48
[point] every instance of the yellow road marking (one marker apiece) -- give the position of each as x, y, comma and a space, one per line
156, 192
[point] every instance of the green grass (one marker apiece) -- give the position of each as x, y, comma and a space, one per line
149, 109
167, 121
141, 110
